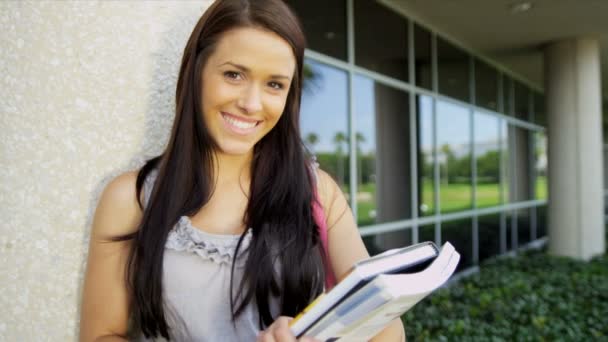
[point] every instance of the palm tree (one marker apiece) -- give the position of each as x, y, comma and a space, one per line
359, 139
312, 139
448, 155
339, 139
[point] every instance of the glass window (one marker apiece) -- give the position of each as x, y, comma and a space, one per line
426, 233
541, 221
454, 156
381, 39
426, 172
379, 243
511, 232
524, 230
519, 156
540, 165
505, 161
325, 29
489, 236
459, 233
507, 95
522, 101
325, 100
486, 86
423, 60
383, 161
453, 70
487, 159
540, 114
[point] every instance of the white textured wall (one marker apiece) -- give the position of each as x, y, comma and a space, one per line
87, 91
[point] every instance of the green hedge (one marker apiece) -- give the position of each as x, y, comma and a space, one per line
531, 297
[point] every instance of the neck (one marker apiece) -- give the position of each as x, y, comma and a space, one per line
233, 169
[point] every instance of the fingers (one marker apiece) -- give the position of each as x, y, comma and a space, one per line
308, 339
277, 332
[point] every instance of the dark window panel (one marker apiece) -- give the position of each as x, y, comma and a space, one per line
325, 29
489, 236
423, 61
486, 86
459, 234
507, 95
426, 233
541, 221
522, 101
379, 243
523, 226
381, 40
454, 66
540, 113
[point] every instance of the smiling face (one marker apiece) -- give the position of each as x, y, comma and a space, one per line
245, 85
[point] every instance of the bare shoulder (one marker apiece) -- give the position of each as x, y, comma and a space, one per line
118, 210
327, 188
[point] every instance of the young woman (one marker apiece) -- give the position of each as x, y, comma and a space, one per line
215, 239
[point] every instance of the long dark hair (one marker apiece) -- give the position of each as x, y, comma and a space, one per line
284, 234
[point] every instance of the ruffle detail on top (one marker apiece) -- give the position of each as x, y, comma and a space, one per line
214, 247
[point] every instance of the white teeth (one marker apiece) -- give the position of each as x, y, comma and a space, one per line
239, 123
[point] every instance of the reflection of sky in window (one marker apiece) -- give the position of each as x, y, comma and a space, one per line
453, 127
425, 106
324, 106
365, 107
486, 133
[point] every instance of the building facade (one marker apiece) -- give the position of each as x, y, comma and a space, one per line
428, 141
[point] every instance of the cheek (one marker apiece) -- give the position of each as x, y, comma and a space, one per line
276, 107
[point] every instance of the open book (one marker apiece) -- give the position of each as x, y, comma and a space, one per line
377, 291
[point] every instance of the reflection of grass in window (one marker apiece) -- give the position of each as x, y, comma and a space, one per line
455, 197
366, 204
541, 187
488, 195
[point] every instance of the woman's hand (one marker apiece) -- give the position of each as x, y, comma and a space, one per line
279, 331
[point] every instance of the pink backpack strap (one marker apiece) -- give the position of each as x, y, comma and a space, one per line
321, 221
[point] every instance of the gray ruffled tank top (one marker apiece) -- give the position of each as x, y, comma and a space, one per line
196, 281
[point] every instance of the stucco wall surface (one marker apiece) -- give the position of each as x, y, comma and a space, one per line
87, 91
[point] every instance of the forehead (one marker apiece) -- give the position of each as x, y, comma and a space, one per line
259, 50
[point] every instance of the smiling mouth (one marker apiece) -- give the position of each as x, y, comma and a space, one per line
240, 125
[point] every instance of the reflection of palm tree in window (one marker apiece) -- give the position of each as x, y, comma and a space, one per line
339, 140
311, 78
359, 139
312, 139
448, 156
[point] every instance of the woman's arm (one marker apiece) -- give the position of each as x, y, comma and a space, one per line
345, 244
104, 311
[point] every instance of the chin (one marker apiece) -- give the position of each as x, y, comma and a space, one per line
236, 149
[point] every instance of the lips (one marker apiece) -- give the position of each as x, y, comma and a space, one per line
238, 124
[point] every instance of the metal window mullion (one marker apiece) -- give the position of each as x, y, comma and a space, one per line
513, 185
475, 226
435, 86
532, 167
352, 125
413, 134
501, 168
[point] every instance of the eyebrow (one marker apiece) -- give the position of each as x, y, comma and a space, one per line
245, 69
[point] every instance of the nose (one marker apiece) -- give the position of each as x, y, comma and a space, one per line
250, 100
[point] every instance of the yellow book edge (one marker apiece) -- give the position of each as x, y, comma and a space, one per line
310, 306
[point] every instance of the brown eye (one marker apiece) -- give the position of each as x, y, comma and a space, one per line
233, 75
276, 85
